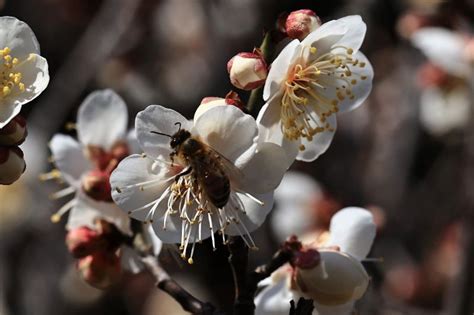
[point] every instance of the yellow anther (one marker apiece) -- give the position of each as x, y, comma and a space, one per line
7, 58
313, 50
350, 51
190, 261
363, 77
302, 147
362, 64
15, 61
55, 218
353, 82
6, 90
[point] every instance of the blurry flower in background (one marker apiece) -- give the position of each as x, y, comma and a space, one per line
445, 97
335, 279
226, 15
312, 80
86, 165
25, 71
165, 192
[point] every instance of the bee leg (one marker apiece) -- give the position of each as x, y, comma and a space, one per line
188, 171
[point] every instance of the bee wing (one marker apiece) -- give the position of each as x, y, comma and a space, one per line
227, 166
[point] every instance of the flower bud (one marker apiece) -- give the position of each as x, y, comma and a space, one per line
306, 259
14, 133
430, 75
300, 23
12, 164
337, 280
83, 241
247, 71
97, 186
101, 269
232, 98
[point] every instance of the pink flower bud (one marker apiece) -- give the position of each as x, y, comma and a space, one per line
247, 70
101, 269
12, 164
97, 186
14, 133
306, 259
232, 98
83, 241
300, 23
430, 75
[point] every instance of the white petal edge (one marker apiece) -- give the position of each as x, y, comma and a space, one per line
159, 119
17, 36
319, 144
102, 119
69, 158
353, 230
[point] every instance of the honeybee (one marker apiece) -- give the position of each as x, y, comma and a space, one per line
208, 167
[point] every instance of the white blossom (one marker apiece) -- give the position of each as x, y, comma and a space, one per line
337, 282
152, 188
101, 124
309, 82
24, 72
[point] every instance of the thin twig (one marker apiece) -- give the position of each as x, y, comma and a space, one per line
244, 304
304, 307
183, 297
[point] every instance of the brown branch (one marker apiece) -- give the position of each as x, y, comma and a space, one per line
304, 307
164, 282
244, 304
94, 47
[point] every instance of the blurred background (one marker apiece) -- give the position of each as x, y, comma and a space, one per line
389, 156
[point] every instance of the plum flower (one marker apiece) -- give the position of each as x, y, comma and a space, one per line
86, 165
312, 80
24, 72
169, 194
337, 281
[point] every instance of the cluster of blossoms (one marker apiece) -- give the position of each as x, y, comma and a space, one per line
215, 175
24, 75
445, 99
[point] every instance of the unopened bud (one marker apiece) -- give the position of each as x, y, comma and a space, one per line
101, 269
306, 259
337, 280
247, 70
232, 98
83, 241
14, 133
300, 23
97, 186
12, 164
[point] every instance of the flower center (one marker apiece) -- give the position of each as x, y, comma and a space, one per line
10, 78
306, 91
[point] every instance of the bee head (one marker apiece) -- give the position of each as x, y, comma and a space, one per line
179, 137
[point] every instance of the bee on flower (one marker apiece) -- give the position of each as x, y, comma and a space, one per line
199, 177
329, 271
24, 73
310, 81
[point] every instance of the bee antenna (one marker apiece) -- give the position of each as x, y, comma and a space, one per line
178, 123
159, 133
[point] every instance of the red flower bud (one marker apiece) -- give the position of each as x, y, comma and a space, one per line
12, 164
14, 133
101, 269
83, 241
300, 23
247, 70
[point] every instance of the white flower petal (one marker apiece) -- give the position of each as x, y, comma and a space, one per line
17, 36
159, 119
319, 144
353, 230
274, 299
255, 214
355, 34
326, 35
227, 130
279, 68
338, 280
132, 142
444, 111
206, 106
444, 48
270, 129
87, 211
132, 171
263, 173
102, 119
9, 108
69, 158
